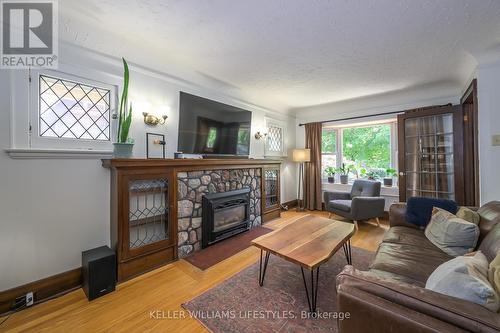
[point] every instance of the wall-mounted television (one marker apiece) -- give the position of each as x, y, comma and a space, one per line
211, 128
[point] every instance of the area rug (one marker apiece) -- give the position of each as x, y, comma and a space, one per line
214, 254
239, 305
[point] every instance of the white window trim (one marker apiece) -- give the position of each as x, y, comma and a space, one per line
393, 140
280, 124
38, 142
21, 109
33, 153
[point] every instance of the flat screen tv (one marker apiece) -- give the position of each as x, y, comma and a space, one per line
211, 128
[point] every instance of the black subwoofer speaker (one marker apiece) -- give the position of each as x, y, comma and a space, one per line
99, 271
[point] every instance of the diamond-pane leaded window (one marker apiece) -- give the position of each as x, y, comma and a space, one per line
275, 138
73, 110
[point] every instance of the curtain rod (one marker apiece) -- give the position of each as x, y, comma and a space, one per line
379, 114
358, 117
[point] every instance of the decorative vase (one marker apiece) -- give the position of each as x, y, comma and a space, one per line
388, 182
344, 179
122, 150
331, 180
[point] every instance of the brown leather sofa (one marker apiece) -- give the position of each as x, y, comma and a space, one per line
391, 297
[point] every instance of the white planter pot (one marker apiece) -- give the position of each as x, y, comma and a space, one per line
122, 150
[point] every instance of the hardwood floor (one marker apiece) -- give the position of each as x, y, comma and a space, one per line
129, 308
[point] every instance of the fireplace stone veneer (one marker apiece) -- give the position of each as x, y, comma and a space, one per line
193, 185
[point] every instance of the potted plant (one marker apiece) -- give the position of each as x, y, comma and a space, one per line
390, 174
344, 174
330, 172
371, 174
124, 145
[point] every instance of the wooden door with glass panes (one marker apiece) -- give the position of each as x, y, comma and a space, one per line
431, 153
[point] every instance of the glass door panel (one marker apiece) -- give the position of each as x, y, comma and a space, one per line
428, 167
271, 178
427, 125
411, 127
412, 145
445, 144
444, 162
444, 124
427, 144
148, 212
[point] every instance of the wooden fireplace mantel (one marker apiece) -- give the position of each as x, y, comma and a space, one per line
188, 164
129, 189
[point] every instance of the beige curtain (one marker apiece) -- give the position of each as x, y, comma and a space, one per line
312, 177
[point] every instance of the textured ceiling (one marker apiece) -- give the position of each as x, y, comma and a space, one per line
285, 54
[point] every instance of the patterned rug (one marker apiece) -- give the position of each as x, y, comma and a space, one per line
239, 305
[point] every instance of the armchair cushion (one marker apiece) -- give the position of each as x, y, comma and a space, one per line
363, 208
365, 188
343, 205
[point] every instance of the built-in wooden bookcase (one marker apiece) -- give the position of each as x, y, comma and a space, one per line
144, 200
144, 226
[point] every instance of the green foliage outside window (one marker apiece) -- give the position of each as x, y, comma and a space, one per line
328, 142
243, 136
211, 137
367, 147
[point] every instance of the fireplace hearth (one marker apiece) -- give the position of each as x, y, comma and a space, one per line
224, 215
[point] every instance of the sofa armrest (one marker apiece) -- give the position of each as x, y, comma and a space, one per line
335, 195
416, 309
367, 207
397, 216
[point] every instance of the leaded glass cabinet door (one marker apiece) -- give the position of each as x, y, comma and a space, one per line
148, 224
271, 189
430, 154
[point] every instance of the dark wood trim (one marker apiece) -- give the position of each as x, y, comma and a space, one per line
43, 289
271, 215
291, 204
470, 145
457, 145
188, 164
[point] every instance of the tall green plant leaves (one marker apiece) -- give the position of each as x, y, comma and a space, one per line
123, 128
126, 126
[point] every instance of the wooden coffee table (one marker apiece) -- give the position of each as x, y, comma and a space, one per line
308, 242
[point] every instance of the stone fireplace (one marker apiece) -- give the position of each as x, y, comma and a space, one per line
192, 186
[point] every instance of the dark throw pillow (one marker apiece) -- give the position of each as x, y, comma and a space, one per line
419, 210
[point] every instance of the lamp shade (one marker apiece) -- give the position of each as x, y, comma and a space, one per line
301, 155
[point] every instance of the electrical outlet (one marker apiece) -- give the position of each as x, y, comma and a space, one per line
495, 140
29, 299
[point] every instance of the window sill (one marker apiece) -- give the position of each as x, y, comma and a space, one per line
32, 153
384, 191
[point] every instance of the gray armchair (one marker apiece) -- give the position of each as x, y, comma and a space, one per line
362, 203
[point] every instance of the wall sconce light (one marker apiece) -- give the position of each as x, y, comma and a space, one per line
260, 135
153, 120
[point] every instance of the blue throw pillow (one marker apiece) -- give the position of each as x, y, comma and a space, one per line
419, 210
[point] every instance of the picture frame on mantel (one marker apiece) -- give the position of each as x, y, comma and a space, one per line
155, 146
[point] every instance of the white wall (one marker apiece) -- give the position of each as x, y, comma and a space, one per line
52, 210
488, 81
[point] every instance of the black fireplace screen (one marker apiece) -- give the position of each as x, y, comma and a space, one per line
224, 215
